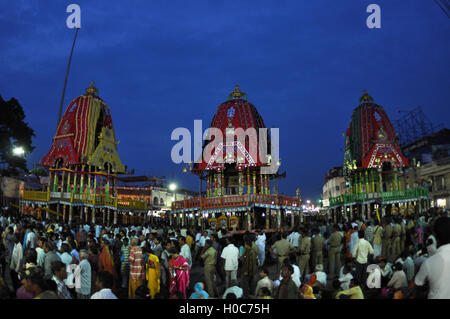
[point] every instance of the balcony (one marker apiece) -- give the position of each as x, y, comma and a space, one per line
96, 200
236, 201
382, 196
36, 196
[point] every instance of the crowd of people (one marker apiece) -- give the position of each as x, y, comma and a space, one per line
398, 257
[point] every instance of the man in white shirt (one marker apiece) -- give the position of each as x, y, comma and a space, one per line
361, 252
185, 250
234, 289
321, 276
198, 235
374, 277
346, 278
16, 262
231, 255
83, 272
66, 258
203, 239
354, 238
3, 221
264, 281
261, 243
104, 283
31, 240
408, 265
436, 269
293, 238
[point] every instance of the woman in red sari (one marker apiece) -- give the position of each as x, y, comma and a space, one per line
179, 273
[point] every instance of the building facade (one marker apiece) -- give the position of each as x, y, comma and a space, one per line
375, 169
430, 166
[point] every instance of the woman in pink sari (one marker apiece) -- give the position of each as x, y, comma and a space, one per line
180, 273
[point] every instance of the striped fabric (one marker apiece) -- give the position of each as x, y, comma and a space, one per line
137, 266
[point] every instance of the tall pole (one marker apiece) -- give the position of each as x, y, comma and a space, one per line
65, 80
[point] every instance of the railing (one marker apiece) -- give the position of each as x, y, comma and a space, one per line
188, 203
383, 196
224, 201
83, 198
235, 201
98, 200
35, 195
131, 204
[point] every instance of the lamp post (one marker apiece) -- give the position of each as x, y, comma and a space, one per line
172, 188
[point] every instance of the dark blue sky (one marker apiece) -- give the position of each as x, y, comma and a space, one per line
162, 64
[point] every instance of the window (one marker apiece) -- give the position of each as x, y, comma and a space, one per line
440, 182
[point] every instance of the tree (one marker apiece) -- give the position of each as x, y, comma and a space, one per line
14, 132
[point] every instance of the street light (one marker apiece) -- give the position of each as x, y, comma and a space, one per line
172, 188
18, 151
